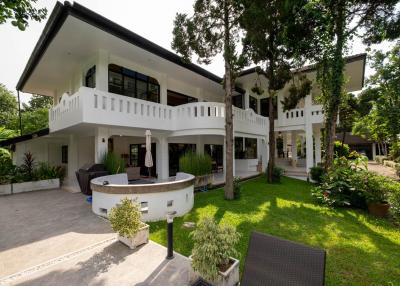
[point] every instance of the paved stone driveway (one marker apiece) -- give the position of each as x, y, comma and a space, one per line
53, 238
382, 170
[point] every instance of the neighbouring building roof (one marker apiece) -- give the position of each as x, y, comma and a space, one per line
14, 140
307, 68
351, 139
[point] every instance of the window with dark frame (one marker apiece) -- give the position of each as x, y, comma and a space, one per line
264, 106
253, 104
64, 154
175, 98
133, 84
237, 100
90, 78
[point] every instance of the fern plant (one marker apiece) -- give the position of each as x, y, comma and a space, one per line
213, 246
125, 218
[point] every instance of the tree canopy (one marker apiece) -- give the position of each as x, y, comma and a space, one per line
211, 30
276, 36
337, 22
20, 12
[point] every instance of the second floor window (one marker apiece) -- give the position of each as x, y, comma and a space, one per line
90, 78
253, 104
264, 104
237, 100
133, 84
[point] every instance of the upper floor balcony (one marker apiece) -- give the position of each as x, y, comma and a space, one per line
297, 117
93, 106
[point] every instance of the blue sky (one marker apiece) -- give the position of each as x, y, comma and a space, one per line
152, 19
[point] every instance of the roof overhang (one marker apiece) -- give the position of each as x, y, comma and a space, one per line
354, 72
73, 33
26, 137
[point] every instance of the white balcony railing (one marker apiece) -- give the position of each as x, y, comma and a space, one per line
297, 116
98, 107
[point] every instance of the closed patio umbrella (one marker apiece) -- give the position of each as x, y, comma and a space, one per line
148, 160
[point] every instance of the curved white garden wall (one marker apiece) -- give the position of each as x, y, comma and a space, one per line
156, 199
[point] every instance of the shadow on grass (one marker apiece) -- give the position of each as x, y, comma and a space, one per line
353, 239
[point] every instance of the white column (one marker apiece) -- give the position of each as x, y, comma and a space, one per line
317, 138
70, 182
284, 138
309, 133
262, 152
100, 144
258, 106
162, 158
246, 100
199, 145
294, 146
102, 70
163, 89
373, 151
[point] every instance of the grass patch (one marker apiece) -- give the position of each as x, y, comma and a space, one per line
361, 249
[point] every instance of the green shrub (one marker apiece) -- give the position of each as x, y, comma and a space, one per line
195, 164
113, 163
237, 188
46, 172
6, 167
395, 152
394, 199
125, 218
316, 174
375, 187
338, 185
213, 246
277, 174
341, 150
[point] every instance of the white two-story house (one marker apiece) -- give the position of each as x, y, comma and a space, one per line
110, 85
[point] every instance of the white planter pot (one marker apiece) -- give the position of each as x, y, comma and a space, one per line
5, 189
228, 278
36, 185
141, 237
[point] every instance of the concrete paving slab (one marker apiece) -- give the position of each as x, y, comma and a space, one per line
38, 226
115, 264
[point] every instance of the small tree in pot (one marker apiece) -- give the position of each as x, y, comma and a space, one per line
125, 219
213, 251
376, 194
198, 165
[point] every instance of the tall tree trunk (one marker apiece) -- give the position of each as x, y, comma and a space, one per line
337, 84
228, 84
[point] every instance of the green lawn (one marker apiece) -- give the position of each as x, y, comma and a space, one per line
361, 250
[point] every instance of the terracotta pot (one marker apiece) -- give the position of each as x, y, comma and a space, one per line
379, 209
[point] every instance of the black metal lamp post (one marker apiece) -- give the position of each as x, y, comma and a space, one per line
170, 228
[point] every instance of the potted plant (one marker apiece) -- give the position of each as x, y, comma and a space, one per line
376, 195
125, 219
212, 254
198, 165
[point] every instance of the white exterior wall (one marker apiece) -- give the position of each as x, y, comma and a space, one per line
157, 203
